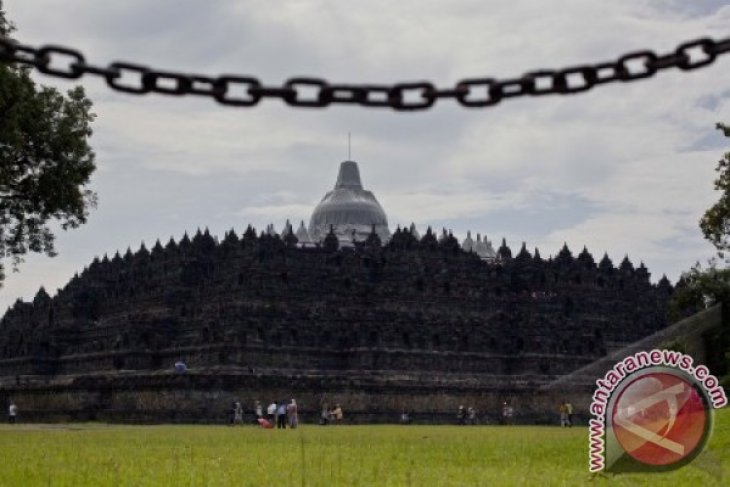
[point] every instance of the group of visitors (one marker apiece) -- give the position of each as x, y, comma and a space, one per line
279, 413
466, 416
283, 414
331, 415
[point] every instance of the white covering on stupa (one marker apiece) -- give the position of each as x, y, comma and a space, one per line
349, 209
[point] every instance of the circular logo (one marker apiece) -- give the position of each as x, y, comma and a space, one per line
661, 418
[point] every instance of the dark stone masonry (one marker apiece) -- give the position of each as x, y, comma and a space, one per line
415, 324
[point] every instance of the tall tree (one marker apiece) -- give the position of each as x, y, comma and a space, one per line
45, 161
701, 287
715, 223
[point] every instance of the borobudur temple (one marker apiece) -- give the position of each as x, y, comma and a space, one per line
342, 309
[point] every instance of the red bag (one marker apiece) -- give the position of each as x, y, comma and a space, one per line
265, 424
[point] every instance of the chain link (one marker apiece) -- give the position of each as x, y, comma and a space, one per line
246, 91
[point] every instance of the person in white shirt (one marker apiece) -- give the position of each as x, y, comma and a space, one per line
270, 412
237, 413
258, 410
12, 412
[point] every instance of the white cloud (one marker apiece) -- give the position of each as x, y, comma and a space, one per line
618, 168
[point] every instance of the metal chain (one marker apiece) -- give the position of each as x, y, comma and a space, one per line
246, 91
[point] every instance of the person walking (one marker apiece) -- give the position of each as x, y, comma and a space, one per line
232, 414
271, 413
324, 416
472, 415
569, 410
507, 413
12, 412
237, 413
292, 414
337, 413
281, 415
461, 415
258, 411
563, 409
405, 418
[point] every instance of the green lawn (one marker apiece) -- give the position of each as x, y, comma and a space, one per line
97, 454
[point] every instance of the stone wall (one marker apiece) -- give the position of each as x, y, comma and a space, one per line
206, 396
689, 336
259, 302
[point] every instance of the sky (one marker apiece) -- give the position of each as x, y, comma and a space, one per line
624, 168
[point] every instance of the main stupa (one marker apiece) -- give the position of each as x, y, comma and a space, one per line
349, 210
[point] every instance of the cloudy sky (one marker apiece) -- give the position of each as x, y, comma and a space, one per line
625, 168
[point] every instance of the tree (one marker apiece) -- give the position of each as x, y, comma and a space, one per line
45, 161
701, 287
715, 223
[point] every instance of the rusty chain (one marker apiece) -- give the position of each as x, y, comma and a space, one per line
246, 91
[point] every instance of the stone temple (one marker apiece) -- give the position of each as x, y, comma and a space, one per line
345, 311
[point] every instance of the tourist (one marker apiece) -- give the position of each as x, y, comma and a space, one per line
237, 413
507, 413
405, 418
472, 416
569, 410
281, 415
563, 414
271, 413
292, 414
324, 415
258, 410
12, 412
461, 415
337, 414
232, 414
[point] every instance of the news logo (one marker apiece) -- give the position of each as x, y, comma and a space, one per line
652, 412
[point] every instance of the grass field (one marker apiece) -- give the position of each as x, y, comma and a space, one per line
98, 454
